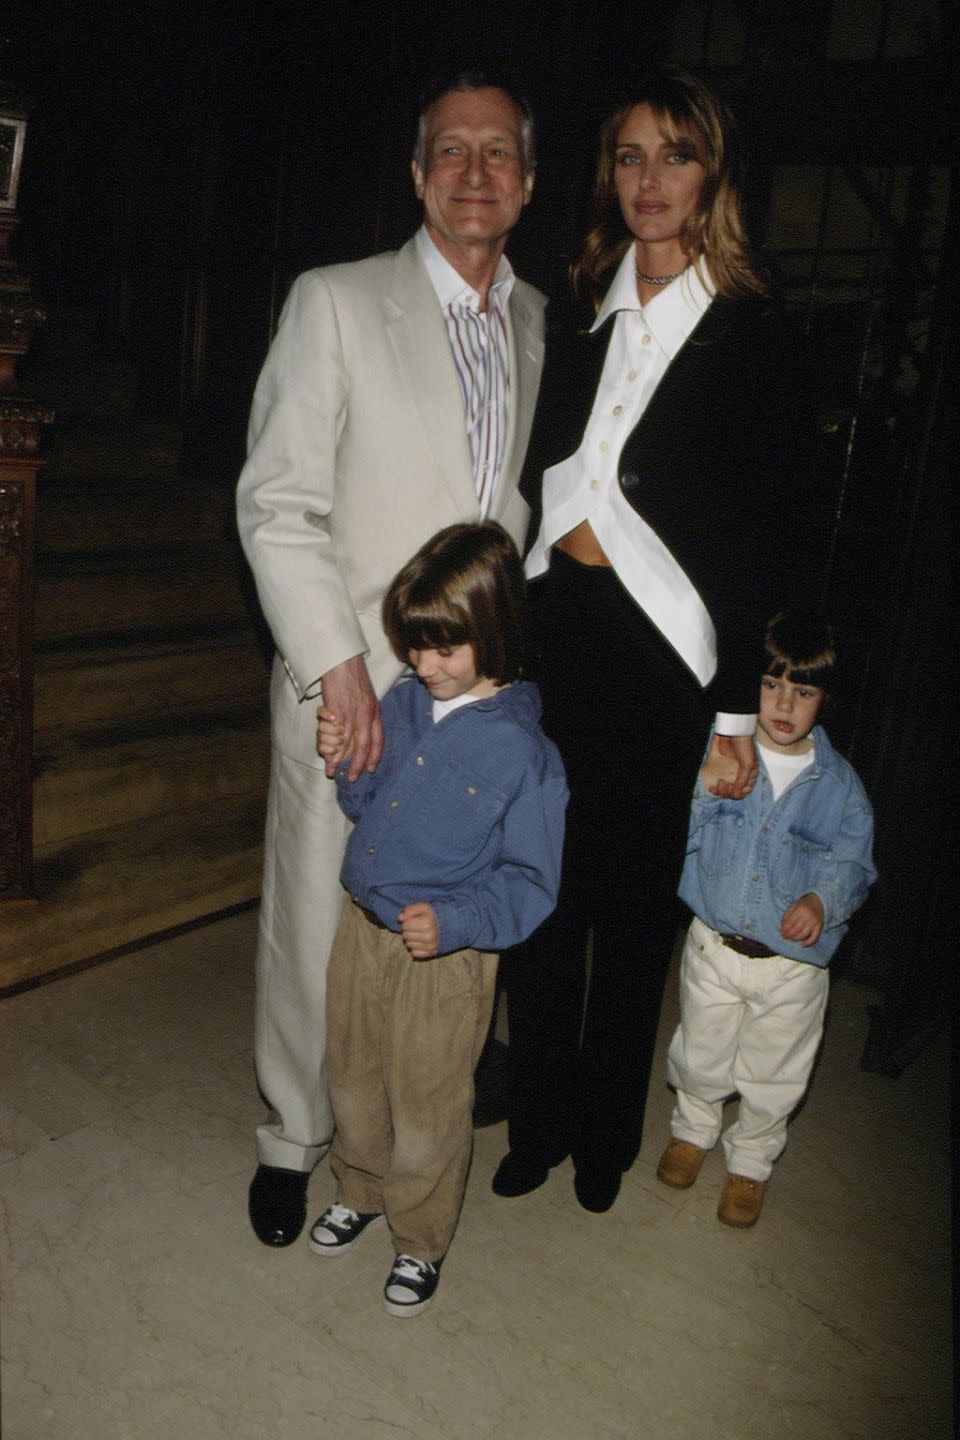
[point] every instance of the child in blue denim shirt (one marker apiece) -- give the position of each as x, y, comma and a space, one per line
772, 881
455, 855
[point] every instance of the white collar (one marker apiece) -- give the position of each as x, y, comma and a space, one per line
450, 285
672, 314
444, 707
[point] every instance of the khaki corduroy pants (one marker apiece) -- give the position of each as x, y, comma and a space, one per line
403, 1040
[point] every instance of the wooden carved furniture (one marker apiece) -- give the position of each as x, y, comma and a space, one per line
21, 429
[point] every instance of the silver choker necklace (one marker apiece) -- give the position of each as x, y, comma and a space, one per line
656, 279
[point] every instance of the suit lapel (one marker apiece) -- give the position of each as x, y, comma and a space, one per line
591, 353
415, 328
525, 360
682, 381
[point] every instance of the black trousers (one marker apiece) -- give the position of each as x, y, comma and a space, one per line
631, 723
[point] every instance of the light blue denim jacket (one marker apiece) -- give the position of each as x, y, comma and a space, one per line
749, 860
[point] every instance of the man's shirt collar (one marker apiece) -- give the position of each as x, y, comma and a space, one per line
450, 285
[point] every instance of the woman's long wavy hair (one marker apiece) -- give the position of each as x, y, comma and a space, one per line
689, 112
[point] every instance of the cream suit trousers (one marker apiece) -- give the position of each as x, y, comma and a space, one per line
299, 912
306, 835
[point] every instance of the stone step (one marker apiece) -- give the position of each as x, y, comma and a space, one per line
130, 514
117, 887
75, 603
78, 687
137, 770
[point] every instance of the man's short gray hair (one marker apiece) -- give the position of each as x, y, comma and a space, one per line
463, 80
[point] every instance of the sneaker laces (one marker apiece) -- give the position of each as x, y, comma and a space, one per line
407, 1267
339, 1217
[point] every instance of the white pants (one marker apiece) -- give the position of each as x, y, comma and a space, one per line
750, 1026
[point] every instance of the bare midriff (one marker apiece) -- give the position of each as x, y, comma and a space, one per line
581, 544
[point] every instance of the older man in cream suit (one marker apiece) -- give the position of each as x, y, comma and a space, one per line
396, 399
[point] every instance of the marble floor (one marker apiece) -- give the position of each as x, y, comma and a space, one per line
138, 1305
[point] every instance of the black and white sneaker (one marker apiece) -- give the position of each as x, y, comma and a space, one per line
338, 1228
411, 1285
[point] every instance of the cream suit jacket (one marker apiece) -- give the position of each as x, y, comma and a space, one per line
358, 453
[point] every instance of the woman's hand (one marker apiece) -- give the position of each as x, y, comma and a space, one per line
733, 766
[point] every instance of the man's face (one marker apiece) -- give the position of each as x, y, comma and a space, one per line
473, 184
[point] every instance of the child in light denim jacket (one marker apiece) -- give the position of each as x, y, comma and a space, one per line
772, 881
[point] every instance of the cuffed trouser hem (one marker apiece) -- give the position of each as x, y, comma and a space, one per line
273, 1150
692, 1137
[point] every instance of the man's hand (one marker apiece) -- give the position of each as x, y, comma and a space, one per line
737, 754
349, 699
418, 926
803, 922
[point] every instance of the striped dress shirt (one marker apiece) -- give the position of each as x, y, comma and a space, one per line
480, 351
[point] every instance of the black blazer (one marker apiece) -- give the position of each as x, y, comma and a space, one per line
719, 466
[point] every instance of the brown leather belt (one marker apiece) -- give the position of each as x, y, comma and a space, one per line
744, 945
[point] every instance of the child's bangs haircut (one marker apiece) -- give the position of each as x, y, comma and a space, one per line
465, 586
799, 645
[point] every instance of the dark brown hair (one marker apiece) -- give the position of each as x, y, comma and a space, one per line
465, 586
688, 110
799, 644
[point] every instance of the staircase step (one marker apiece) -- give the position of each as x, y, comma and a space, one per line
119, 886
148, 639
139, 770
81, 687
129, 515
91, 447
73, 605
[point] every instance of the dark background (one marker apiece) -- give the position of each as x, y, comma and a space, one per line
185, 160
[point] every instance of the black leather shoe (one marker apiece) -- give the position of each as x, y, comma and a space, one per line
596, 1187
278, 1204
518, 1174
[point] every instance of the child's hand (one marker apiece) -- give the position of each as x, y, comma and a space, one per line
418, 926
803, 922
330, 737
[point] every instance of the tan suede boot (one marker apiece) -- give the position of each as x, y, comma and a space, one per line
741, 1201
680, 1164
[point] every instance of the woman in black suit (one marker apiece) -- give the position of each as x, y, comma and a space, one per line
663, 475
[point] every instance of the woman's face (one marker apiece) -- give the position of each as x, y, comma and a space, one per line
659, 180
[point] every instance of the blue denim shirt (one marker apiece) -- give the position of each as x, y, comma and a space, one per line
466, 814
749, 860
